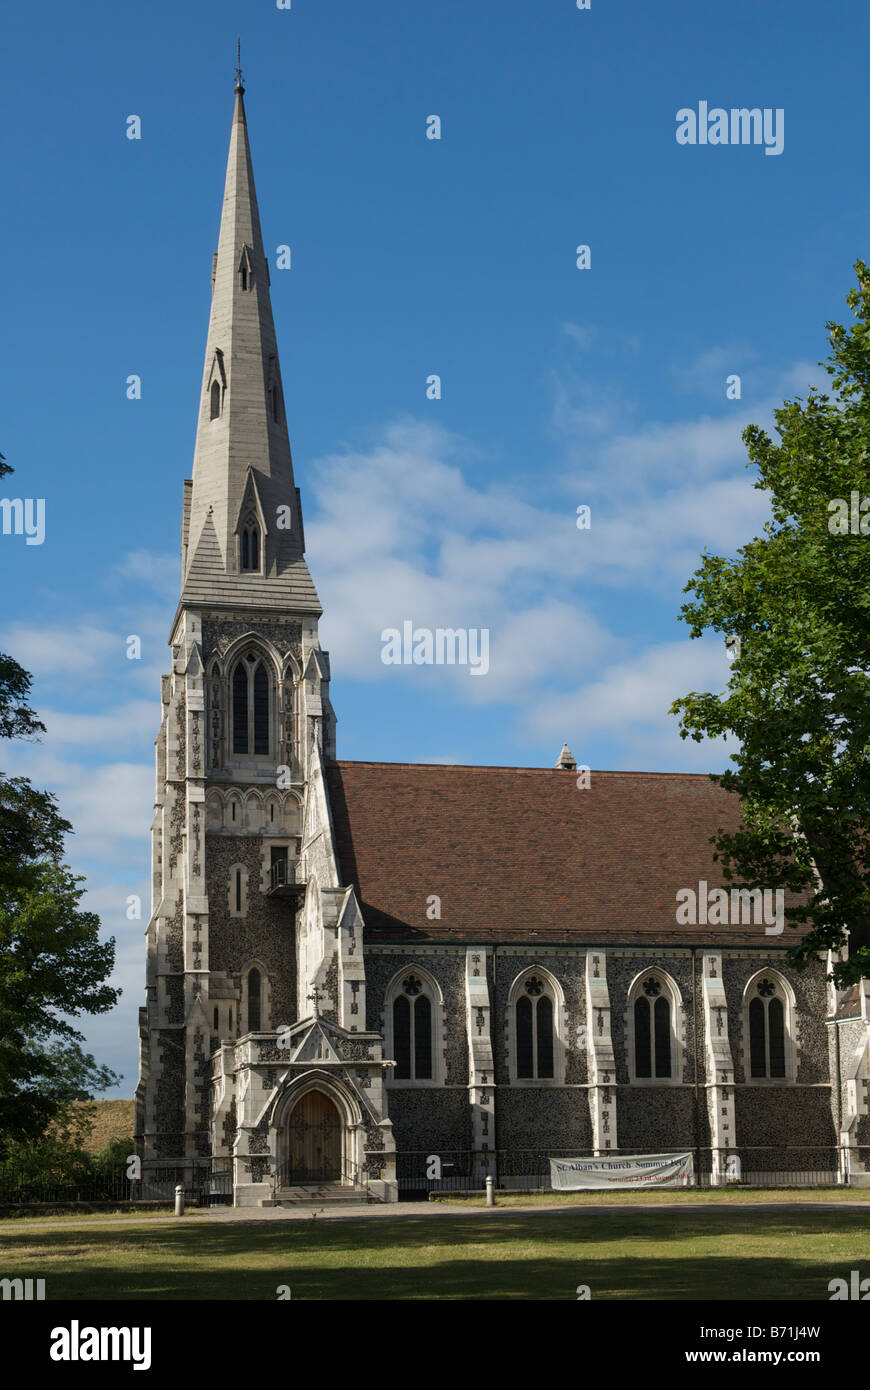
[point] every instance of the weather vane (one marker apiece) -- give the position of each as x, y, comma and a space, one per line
239, 86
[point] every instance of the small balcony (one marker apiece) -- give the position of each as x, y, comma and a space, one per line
284, 882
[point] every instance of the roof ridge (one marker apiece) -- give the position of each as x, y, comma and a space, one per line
507, 767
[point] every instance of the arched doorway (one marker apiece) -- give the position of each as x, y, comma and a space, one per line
314, 1140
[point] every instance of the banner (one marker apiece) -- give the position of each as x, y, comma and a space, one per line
645, 1170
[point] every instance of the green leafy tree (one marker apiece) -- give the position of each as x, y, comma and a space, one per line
797, 599
53, 966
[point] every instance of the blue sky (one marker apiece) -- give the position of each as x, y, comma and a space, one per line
411, 257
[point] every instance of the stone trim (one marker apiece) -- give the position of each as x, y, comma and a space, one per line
481, 1064
600, 1057
720, 1064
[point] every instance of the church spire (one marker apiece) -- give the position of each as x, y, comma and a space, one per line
243, 539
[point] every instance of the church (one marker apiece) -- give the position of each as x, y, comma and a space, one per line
378, 979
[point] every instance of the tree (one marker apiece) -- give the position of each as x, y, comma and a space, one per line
797, 599
52, 963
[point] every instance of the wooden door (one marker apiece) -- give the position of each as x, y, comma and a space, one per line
315, 1140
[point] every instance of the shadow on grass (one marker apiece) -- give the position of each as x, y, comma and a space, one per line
494, 1229
628, 1278
533, 1256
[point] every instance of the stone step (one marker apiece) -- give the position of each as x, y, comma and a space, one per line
322, 1194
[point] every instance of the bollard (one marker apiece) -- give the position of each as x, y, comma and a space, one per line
490, 1194
179, 1199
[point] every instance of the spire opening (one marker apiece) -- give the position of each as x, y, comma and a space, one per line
249, 547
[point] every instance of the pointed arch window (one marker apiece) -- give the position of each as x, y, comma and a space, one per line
652, 1020
249, 547
255, 1002
414, 1030
252, 700
652, 1033
215, 399
535, 1020
246, 273
767, 1031
535, 1033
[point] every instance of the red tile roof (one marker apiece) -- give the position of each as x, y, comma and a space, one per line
523, 854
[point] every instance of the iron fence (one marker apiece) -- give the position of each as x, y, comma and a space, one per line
453, 1170
208, 1184
419, 1173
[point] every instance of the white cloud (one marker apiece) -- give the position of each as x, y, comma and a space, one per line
401, 535
81, 650
109, 804
630, 703
583, 334
161, 573
129, 727
112, 1037
89, 657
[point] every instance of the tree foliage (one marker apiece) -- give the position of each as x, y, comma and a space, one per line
53, 965
798, 700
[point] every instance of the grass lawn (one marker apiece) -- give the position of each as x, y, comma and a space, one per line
113, 1119
69, 1218
714, 1196
764, 1255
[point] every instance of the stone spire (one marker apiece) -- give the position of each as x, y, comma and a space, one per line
242, 467
566, 759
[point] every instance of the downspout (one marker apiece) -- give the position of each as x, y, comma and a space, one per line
695, 1050
495, 1060
841, 1167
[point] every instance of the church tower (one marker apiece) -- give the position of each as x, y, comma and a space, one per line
254, 948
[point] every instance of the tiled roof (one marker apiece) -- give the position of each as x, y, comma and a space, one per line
849, 1002
523, 854
208, 584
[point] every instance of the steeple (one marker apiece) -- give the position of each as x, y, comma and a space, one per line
242, 541
566, 759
